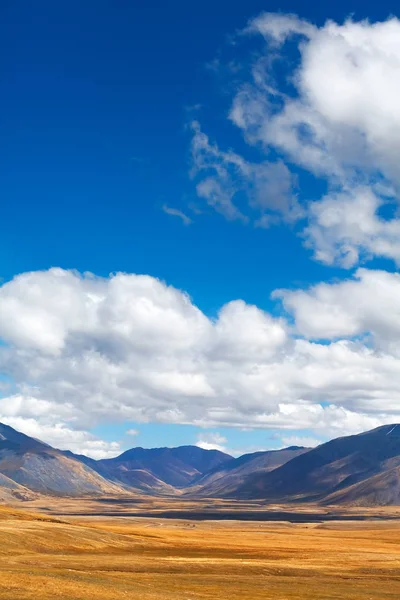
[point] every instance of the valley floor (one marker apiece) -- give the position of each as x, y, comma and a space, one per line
108, 558
44, 556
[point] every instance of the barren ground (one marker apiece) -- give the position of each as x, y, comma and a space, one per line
85, 557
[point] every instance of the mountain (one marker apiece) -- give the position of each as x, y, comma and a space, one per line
160, 469
10, 490
382, 489
28, 465
356, 469
227, 477
360, 469
39, 467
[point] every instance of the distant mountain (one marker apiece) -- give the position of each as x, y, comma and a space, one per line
358, 469
27, 465
361, 470
227, 477
160, 469
39, 467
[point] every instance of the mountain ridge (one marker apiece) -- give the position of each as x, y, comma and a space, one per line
361, 469
322, 472
163, 469
226, 477
38, 467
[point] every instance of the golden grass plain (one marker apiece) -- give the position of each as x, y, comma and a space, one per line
86, 557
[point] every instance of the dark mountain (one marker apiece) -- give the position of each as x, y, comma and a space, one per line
226, 478
12, 439
39, 467
160, 469
382, 489
360, 468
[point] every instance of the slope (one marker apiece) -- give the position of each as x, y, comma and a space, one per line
160, 469
41, 468
226, 478
326, 472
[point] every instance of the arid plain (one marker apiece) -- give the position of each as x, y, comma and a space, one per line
84, 550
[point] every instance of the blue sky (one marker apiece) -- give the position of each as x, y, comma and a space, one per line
97, 100
94, 115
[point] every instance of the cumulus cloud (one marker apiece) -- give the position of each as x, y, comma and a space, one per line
43, 426
212, 441
345, 228
131, 348
366, 304
333, 114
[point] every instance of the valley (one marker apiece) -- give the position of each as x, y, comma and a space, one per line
192, 524
109, 558
207, 509
200, 300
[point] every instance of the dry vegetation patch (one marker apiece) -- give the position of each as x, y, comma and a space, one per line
105, 558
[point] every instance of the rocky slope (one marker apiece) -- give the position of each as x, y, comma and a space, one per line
39, 467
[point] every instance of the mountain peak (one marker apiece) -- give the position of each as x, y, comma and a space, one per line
331, 468
360, 468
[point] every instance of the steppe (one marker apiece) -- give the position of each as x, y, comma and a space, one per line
96, 550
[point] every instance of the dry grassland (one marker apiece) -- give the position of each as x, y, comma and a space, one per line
112, 558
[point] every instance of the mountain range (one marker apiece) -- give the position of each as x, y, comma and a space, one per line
157, 469
361, 469
225, 479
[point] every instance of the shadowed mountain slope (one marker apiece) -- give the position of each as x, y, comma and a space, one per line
361, 469
161, 468
226, 478
382, 489
348, 469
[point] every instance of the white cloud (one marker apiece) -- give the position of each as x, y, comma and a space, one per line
43, 427
296, 440
366, 304
347, 83
212, 441
278, 26
131, 348
336, 116
345, 228
247, 334
133, 432
223, 177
